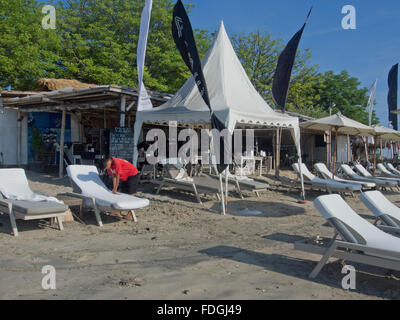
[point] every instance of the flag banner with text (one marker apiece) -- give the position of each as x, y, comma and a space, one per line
182, 33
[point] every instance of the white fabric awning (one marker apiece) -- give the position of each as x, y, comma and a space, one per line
233, 97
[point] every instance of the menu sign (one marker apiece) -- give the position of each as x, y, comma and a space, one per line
121, 143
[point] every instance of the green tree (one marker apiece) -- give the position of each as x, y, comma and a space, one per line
311, 92
94, 42
27, 51
100, 42
344, 93
259, 52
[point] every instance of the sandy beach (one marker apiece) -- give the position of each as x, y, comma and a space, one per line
180, 249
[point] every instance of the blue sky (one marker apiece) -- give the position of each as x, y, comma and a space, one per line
367, 52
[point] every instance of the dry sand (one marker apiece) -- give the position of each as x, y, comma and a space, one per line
180, 249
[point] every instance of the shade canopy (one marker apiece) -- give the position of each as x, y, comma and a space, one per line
341, 124
386, 133
233, 97
234, 100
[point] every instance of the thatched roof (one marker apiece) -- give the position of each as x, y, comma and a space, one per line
57, 84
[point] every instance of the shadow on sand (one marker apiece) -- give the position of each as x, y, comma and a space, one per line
249, 208
370, 281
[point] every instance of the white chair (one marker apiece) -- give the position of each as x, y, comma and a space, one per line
88, 186
365, 173
20, 202
386, 172
362, 242
379, 182
392, 168
329, 185
382, 208
326, 174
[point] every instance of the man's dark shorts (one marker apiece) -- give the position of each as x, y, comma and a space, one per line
130, 185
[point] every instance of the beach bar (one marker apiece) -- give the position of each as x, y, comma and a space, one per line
75, 120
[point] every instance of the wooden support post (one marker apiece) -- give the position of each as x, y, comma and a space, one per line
366, 149
348, 149
122, 110
334, 152
329, 150
19, 137
82, 128
312, 149
61, 160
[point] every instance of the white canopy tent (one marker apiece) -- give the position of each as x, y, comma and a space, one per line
234, 99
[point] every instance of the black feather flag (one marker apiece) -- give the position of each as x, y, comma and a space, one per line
182, 33
392, 95
283, 72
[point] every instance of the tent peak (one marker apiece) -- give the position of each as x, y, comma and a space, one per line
222, 30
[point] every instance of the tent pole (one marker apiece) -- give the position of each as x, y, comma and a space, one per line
221, 185
61, 160
222, 194
300, 162
278, 151
274, 150
226, 189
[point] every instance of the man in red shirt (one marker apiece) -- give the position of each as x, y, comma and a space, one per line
125, 175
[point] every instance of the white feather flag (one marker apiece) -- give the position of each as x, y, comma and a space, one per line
144, 102
371, 100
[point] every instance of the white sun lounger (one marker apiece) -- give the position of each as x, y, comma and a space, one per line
362, 241
392, 169
385, 172
364, 172
88, 186
329, 185
175, 176
246, 183
323, 170
379, 182
15, 195
382, 208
